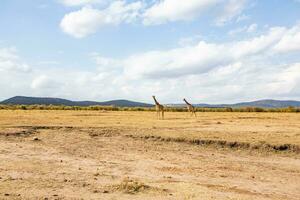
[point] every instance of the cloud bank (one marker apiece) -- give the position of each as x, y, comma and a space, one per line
89, 20
206, 71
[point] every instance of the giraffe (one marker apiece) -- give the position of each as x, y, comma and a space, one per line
190, 108
159, 109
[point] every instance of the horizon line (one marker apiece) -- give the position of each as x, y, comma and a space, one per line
137, 101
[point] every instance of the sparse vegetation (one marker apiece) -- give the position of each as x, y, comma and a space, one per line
151, 109
130, 186
64, 154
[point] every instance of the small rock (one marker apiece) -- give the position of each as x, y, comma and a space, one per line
6, 194
35, 139
105, 191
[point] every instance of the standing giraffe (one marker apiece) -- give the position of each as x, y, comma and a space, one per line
159, 108
190, 108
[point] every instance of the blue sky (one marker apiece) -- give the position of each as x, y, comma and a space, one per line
214, 51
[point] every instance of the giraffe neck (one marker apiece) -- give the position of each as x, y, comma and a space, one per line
186, 102
156, 102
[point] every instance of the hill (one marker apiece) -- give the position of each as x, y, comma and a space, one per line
268, 103
21, 100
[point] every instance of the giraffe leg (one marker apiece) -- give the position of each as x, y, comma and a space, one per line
162, 114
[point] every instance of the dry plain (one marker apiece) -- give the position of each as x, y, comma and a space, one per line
132, 155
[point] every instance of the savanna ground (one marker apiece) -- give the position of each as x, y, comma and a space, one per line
132, 155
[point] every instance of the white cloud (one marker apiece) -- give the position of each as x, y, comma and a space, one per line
232, 9
173, 10
176, 62
44, 82
88, 20
105, 63
237, 69
248, 29
13, 72
8, 53
9, 61
287, 81
259, 44
290, 41
205, 72
83, 22
81, 2
199, 58
252, 28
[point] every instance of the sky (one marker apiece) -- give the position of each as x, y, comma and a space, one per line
208, 51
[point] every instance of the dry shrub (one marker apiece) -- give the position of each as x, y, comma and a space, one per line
130, 186
104, 132
151, 109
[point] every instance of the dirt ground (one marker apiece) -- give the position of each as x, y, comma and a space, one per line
132, 155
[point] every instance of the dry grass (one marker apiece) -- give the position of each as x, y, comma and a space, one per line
131, 155
129, 186
252, 128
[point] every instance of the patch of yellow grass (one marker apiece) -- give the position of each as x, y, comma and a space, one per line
271, 128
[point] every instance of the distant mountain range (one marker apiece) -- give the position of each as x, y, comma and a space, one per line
21, 100
267, 103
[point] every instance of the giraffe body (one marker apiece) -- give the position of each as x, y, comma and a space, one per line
159, 109
190, 108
